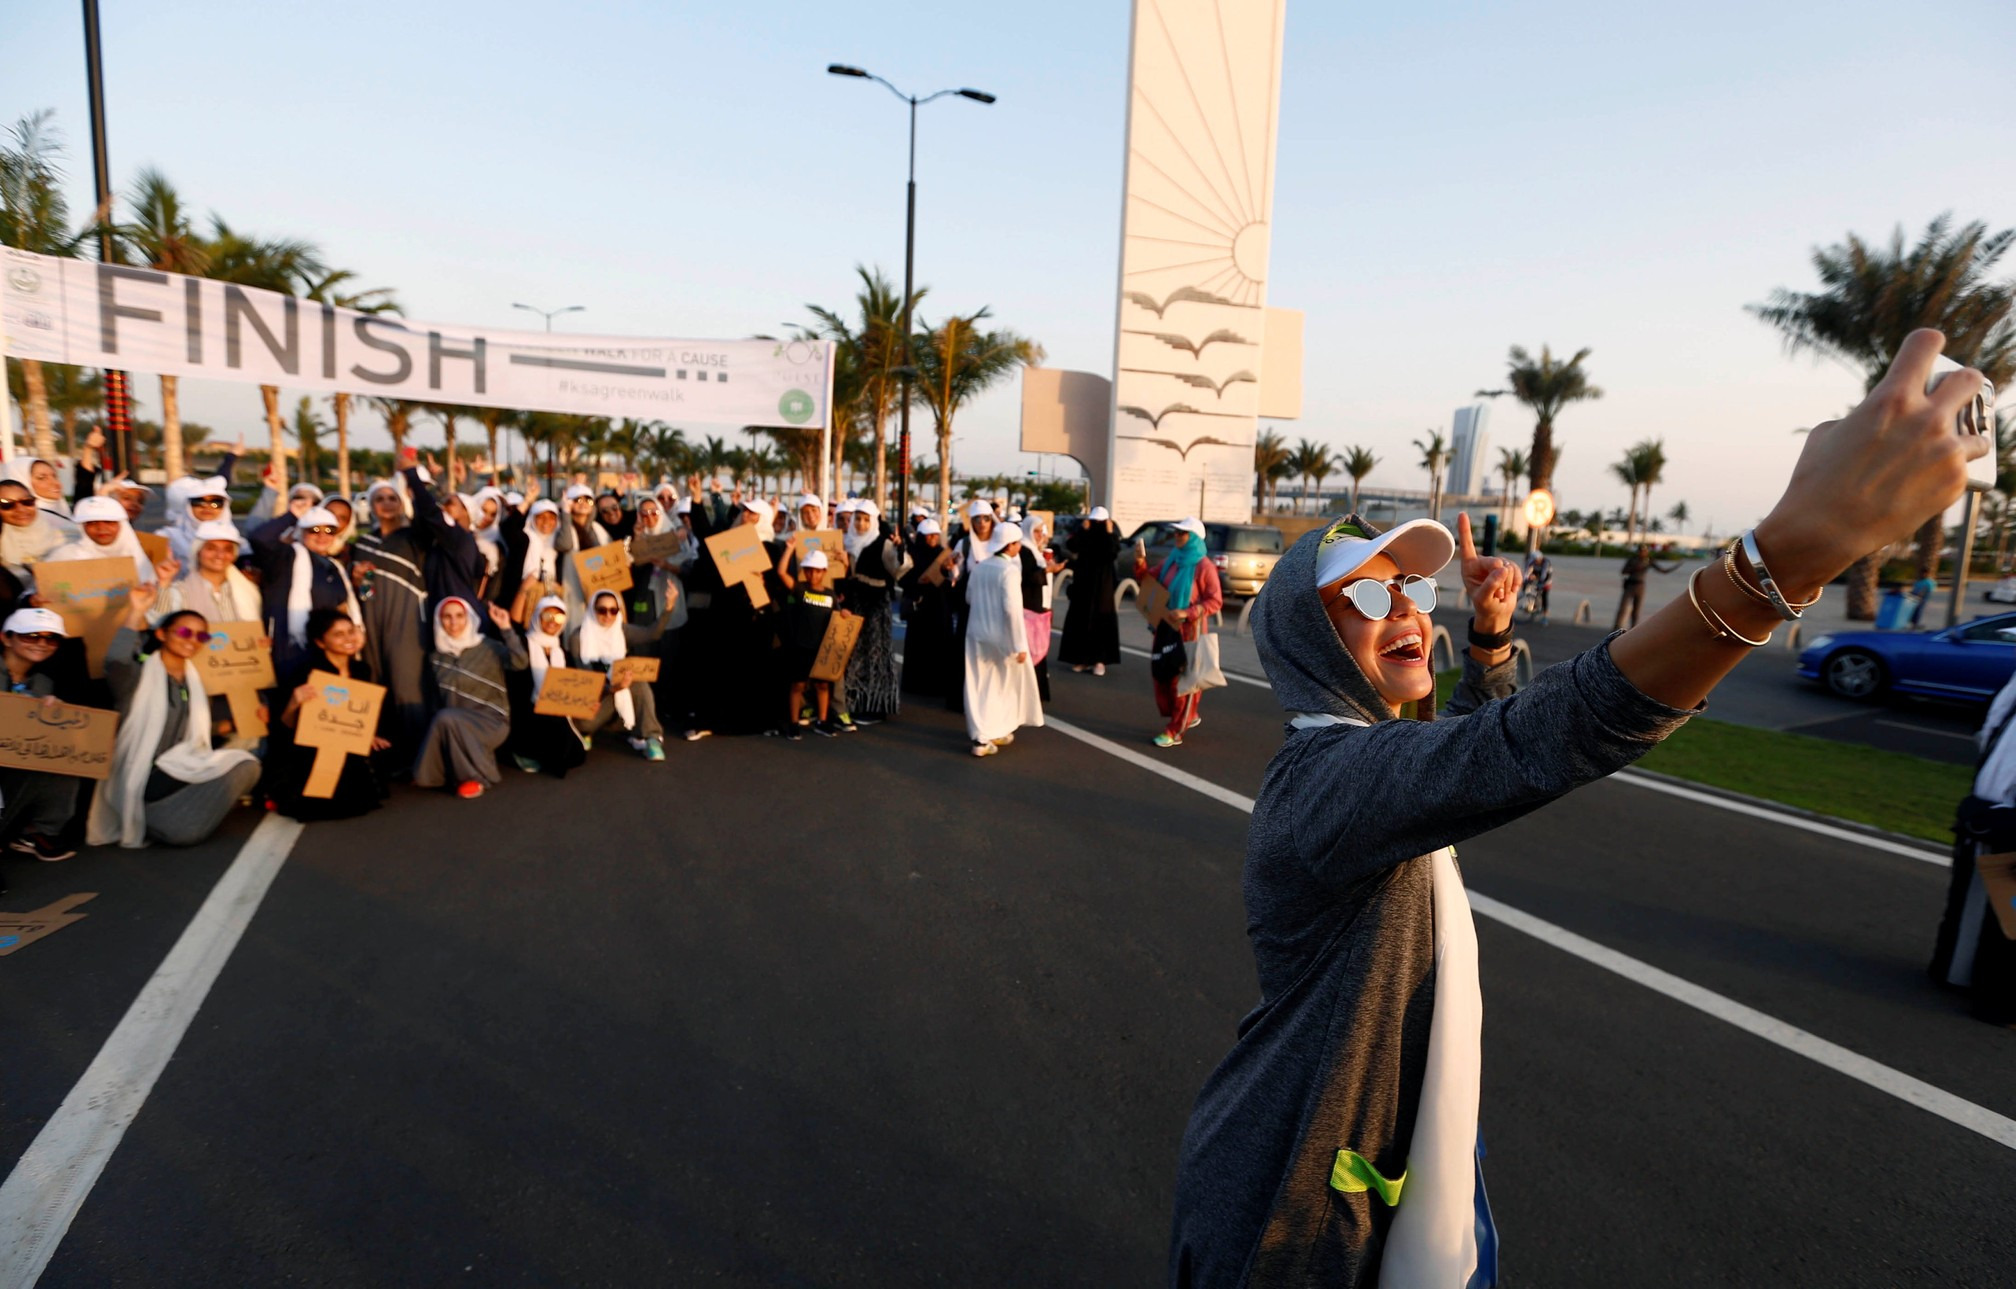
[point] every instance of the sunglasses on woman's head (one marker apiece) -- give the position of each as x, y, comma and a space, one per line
190, 633
1374, 599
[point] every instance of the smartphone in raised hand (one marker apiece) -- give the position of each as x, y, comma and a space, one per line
1977, 417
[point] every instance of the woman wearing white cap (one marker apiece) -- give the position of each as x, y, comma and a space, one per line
1092, 623
193, 501
968, 554
1337, 1143
105, 534
210, 582
876, 562
167, 784
299, 572
38, 804
1000, 682
1194, 595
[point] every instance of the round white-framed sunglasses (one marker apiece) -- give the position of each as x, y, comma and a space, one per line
1374, 598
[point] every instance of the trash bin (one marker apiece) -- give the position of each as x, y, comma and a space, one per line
1894, 612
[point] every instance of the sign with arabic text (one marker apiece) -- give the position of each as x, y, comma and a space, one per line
56, 738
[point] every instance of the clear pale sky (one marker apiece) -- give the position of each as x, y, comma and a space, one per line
1453, 180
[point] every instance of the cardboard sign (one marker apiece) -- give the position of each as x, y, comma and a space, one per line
341, 720
529, 595
571, 692
806, 540
843, 630
157, 547
56, 740
237, 657
20, 929
742, 559
1153, 602
1998, 879
607, 481
605, 568
935, 574
625, 672
652, 547
91, 596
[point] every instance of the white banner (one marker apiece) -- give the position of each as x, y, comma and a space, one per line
140, 320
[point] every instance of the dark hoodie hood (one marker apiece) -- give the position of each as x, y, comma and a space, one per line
1308, 666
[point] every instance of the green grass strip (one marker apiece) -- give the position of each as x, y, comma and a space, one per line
1889, 790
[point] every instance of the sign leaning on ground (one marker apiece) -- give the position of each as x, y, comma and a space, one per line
138, 319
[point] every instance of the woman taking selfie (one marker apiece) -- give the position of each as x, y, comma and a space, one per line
1337, 1143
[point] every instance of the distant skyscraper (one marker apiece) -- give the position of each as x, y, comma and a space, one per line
1472, 435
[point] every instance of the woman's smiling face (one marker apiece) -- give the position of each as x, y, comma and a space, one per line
1393, 651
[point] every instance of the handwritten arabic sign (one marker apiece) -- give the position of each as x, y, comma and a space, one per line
18, 930
740, 556
604, 568
237, 657
625, 672
570, 691
648, 548
56, 739
91, 596
842, 631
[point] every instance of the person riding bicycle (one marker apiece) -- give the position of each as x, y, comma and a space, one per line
1539, 581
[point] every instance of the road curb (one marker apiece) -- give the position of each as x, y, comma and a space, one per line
1813, 816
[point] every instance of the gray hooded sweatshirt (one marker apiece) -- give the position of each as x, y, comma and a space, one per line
1339, 908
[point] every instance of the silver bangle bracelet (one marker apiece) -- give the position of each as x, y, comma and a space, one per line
1766, 583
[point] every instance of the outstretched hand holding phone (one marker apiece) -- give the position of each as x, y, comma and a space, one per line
1864, 481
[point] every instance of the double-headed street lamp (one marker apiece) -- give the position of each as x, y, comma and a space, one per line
907, 371
550, 314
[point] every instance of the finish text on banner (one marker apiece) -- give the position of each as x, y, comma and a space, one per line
139, 319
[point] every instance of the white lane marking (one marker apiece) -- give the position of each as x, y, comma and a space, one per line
1780, 817
1924, 729
1736, 807
1997, 1128
1230, 675
49, 1184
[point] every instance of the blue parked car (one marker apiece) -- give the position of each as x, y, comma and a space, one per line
1968, 662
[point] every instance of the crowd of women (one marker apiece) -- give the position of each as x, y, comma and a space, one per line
460, 604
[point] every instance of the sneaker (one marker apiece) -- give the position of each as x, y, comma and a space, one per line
804, 719
795, 734
1195, 721
470, 790
587, 742
1004, 740
694, 736
527, 764
985, 749
845, 723
636, 745
1098, 668
46, 849
654, 749
1166, 739
826, 729
863, 722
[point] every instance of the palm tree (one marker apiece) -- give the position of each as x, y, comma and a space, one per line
1270, 450
334, 287
1651, 468
877, 348
278, 264
1357, 463
159, 235
1306, 459
1512, 467
1872, 296
1679, 515
955, 362
1434, 459
398, 414
308, 437
1546, 386
35, 217
71, 392
1627, 471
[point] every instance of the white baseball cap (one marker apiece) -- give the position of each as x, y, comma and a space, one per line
217, 530
1007, 534
1418, 546
979, 508
928, 528
813, 559
1190, 524
27, 622
1099, 514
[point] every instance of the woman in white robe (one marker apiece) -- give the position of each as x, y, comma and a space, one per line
1001, 692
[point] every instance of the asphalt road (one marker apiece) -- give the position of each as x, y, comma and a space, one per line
871, 1012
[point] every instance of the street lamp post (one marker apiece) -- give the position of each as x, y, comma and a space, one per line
549, 315
118, 402
907, 370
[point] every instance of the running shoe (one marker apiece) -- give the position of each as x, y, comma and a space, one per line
694, 736
654, 749
985, 749
1004, 740
527, 764
1166, 739
46, 849
1195, 721
587, 742
470, 790
826, 729
636, 745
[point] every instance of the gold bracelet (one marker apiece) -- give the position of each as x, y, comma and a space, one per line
1736, 579
1720, 629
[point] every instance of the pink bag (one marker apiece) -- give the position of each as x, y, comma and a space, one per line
1039, 635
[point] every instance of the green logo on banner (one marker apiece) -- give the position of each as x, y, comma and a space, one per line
795, 406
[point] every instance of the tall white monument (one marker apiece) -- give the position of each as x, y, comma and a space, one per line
1199, 356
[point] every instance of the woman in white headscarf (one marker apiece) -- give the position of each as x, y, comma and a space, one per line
167, 783
193, 501
471, 702
541, 742
536, 544
42, 480
210, 582
27, 534
486, 512
598, 644
585, 532
105, 535
300, 572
